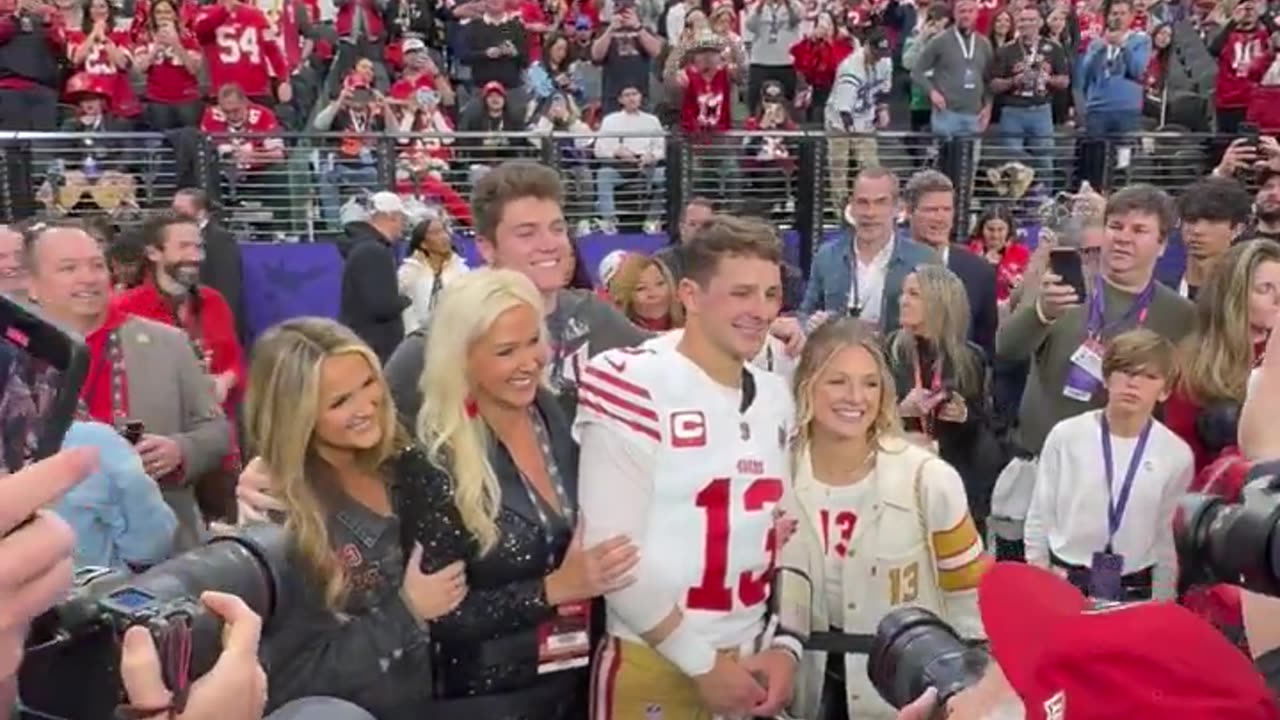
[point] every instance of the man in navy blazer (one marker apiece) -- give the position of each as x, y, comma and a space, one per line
883, 261
930, 198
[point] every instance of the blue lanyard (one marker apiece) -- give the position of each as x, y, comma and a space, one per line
1116, 506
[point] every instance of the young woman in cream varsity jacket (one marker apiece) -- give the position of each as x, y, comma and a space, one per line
882, 523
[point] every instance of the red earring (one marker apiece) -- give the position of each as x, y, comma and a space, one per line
471, 407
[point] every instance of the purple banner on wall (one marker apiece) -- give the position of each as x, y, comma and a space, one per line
285, 281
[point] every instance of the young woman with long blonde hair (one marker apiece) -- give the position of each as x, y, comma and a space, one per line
1236, 310
496, 486
321, 420
882, 522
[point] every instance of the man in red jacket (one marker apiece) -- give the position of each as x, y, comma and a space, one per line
172, 294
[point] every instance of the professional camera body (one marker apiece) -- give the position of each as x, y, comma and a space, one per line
77, 643
1220, 542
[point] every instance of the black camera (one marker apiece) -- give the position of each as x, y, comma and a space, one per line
1220, 542
915, 650
81, 637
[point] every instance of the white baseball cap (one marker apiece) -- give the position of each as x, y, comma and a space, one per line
386, 203
413, 45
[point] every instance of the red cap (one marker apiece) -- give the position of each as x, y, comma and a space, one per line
1141, 661
493, 86
84, 85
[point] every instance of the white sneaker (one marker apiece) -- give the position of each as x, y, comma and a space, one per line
584, 227
608, 227
652, 227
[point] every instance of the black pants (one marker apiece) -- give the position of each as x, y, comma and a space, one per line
1010, 550
169, 116
35, 108
1230, 119
1136, 586
835, 698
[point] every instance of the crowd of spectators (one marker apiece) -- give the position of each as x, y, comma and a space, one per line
613, 77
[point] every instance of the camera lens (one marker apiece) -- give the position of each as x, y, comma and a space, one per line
915, 650
1220, 542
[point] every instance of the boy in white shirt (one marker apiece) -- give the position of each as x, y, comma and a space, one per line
1109, 481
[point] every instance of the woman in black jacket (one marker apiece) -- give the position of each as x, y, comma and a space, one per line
353, 619
495, 486
942, 381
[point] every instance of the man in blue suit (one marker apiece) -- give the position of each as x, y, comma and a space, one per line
930, 198
861, 272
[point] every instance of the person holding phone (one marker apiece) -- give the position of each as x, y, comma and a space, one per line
1064, 334
1111, 74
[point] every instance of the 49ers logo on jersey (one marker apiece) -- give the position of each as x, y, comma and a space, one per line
688, 429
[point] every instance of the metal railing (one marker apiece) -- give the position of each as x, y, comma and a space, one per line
797, 179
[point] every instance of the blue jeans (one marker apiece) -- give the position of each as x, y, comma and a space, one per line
1101, 123
947, 123
653, 180
1029, 130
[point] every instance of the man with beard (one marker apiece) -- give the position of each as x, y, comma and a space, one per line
172, 294
1263, 158
221, 268
139, 370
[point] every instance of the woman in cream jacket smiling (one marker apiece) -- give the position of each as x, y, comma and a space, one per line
883, 523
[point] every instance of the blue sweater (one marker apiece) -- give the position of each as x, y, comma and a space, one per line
118, 513
1112, 84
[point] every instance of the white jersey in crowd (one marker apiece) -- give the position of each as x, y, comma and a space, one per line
855, 91
670, 458
772, 357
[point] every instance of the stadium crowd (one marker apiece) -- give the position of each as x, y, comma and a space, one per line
461, 80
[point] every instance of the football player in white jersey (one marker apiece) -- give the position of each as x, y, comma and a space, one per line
684, 450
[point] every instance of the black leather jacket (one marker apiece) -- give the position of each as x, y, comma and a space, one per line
485, 652
376, 654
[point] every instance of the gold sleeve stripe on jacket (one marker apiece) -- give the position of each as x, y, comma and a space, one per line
965, 577
948, 544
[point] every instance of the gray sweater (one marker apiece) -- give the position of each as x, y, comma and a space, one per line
771, 29
942, 65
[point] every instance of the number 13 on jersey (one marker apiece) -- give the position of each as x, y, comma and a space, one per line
716, 590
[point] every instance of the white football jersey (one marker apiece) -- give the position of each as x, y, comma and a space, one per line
717, 474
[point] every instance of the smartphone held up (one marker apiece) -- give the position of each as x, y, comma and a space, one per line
42, 368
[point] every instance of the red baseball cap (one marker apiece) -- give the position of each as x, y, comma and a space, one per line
1068, 660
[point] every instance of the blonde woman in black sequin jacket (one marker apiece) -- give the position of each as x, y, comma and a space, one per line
354, 618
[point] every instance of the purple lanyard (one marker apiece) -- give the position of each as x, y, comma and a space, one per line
1116, 506
1097, 314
